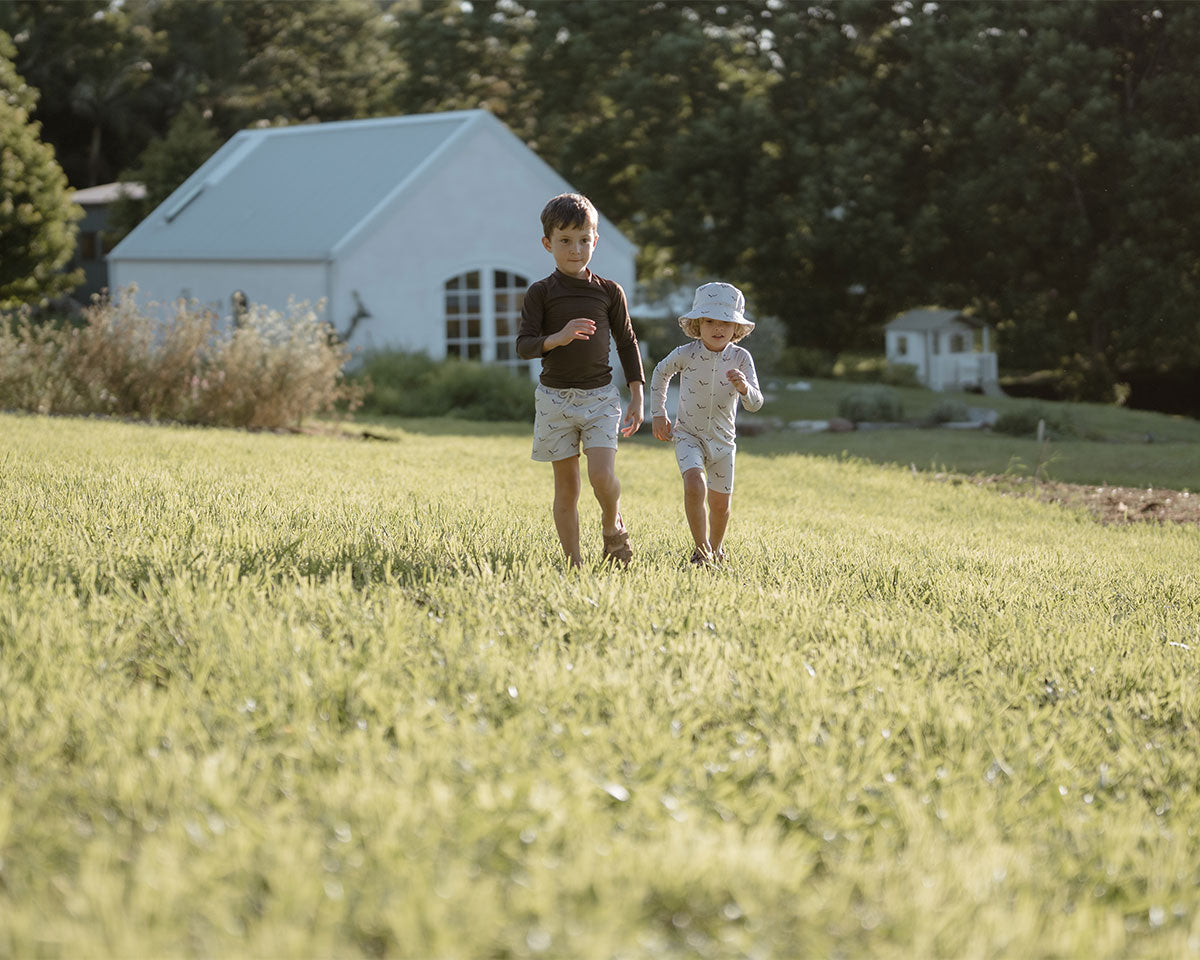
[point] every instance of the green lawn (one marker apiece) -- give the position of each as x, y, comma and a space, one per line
294, 696
1109, 446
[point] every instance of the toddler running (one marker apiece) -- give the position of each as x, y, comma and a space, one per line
713, 374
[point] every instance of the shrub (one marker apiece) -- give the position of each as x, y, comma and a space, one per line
412, 385
949, 411
806, 362
879, 404
270, 372
1023, 422
875, 369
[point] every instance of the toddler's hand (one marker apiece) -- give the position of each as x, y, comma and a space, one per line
737, 380
662, 428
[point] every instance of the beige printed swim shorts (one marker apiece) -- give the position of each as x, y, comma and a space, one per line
568, 420
711, 456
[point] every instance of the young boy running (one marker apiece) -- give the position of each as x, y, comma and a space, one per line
567, 322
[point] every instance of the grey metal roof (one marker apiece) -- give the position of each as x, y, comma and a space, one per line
292, 193
931, 318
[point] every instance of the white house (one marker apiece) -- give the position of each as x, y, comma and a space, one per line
950, 350
419, 233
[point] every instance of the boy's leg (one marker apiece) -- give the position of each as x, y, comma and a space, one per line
602, 473
566, 506
693, 507
719, 507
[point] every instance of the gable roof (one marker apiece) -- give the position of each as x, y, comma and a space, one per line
297, 193
931, 318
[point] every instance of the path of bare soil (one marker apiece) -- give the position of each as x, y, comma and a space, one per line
1110, 505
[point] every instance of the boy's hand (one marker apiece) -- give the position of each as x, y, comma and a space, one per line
635, 413
737, 380
662, 428
578, 329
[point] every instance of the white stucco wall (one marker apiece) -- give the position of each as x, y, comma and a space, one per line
213, 282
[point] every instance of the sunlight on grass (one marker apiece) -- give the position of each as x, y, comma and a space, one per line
267, 695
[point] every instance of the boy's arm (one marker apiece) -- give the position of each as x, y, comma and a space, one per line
635, 413
623, 336
531, 340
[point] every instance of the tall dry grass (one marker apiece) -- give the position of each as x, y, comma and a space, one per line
270, 371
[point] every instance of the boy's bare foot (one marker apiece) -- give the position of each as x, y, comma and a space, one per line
701, 557
617, 548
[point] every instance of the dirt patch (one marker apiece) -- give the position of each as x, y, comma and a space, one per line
1106, 504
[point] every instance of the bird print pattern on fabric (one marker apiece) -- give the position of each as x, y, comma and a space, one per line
570, 419
707, 400
704, 429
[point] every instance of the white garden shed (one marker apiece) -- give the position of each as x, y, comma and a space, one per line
418, 233
949, 349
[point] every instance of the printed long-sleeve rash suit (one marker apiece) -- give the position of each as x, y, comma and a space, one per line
707, 400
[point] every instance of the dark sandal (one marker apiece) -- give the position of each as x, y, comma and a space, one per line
616, 546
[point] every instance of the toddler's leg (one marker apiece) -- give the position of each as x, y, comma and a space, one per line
719, 508
693, 506
566, 506
602, 473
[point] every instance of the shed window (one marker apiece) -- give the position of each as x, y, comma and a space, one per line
958, 343
483, 310
902, 346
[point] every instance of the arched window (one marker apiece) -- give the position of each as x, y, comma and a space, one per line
483, 311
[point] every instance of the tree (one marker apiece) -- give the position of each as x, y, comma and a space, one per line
100, 100
1048, 145
37, 218
163, 166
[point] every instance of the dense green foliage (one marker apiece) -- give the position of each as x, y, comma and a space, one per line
37, 218
270, 695
401, 384
842, 161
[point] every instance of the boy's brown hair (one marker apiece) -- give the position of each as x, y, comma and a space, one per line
566, 211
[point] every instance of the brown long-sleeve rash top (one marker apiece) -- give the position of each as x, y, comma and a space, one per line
551, 303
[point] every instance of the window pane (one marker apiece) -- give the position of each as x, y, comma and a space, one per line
474, 351
473, 303
503, 303
473, 280
503, 350
455, 284
519, 281
518, 301
454, 349
501, 279
453, 329
453, 305
502, 328
87, 245
473, 328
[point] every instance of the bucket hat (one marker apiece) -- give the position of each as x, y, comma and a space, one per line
718, 301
